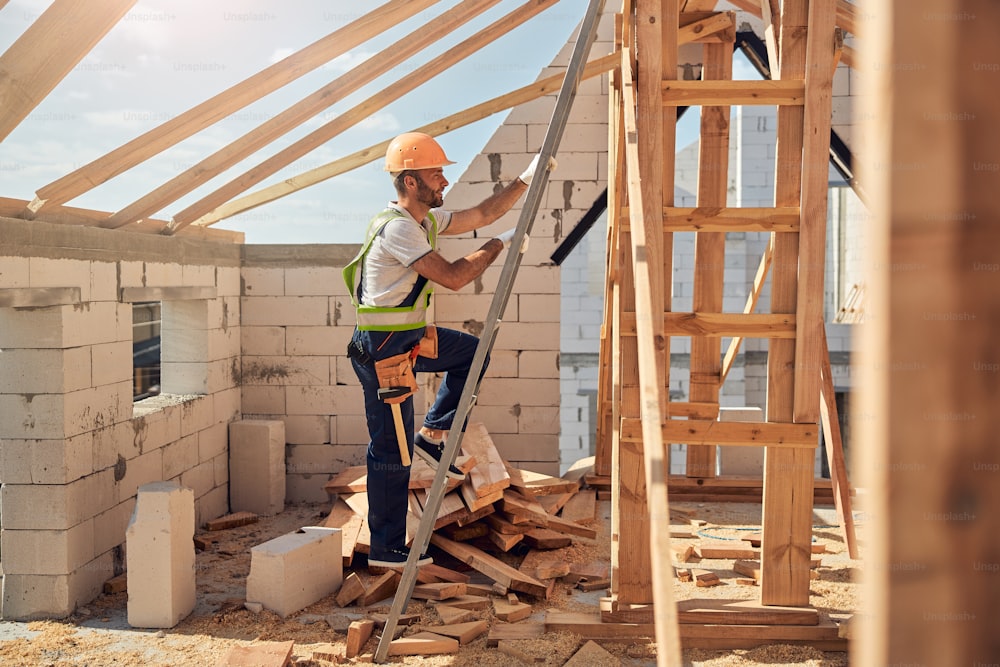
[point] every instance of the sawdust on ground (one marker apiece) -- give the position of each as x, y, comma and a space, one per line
98, 634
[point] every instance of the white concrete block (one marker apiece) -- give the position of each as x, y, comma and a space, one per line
213, 441
180, 456
307, 488
104, 281
62, 326
262, 281
227, 282
47, 551
160, 556
14, 272
46, 461
161, 274
47, 272
262, 340
741, 460
295, 570
316, 341
138, 472
284, 310
311, 280
198, 276
112, 362
307, 429
309, 400
263, 400
257, 466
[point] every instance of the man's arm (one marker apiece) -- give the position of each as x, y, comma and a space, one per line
456, 275
488, 211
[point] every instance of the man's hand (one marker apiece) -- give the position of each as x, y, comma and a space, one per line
508, 236
529, 173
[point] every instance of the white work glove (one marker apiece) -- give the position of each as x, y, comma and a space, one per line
508, 236
529, 173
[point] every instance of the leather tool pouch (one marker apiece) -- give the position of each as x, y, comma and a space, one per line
429, 343
394, 372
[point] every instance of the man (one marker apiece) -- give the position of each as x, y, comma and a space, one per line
391, 280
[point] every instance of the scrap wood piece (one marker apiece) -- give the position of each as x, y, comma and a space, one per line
517, 483
358, 633
683, 574
592, 653
439, 591
743, 612
355, 478
588, 585
579, 469
492, 567
463, 632
381, 588
478, 503
564, 525
472, 515
724, 549
482, 590
511, 613
514, 631
705, 578
551, 569
711, 636
468, 602
328, 652
349, 522
683, 553
748, 568
350, 590
502, 525
541, 484
269, 654
489, 474
592, 570
504, 542
231, 521
522, 508
581, 507
446, 574
520, 650
451, 615
543, 538
461, 533
599, 482
117, 584
754, 539
423, 643
450, 510
553, 504
404, 619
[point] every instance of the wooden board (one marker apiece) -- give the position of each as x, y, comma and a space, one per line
451, 614
355, 478
358, 633
463, 632
231, 521
543, 538
723, 549
350, 523
470, 602
270, 654
521, 507
590, 654
560, 524
439, 591
553, 504
581, 507
504, 542
743, 612
497, 570
423, 643
490, 473
512, 631
381, 588
350, 590
546, 485
511, 612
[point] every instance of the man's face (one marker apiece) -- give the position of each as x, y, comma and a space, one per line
430, 187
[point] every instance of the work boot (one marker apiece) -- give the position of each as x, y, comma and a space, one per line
396, 558
431, 452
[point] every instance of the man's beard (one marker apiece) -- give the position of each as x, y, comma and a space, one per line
428, 197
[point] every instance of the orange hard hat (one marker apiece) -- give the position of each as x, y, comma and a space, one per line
414, 150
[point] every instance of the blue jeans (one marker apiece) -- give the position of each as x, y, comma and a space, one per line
388, 479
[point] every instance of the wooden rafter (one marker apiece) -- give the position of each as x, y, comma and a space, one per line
33, 65
426, 35
225, 103
357, 113
376, 151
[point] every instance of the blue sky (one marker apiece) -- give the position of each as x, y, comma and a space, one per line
164, 57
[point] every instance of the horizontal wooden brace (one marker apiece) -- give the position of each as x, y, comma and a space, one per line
753, 325
739, 434
718, 219
722, 93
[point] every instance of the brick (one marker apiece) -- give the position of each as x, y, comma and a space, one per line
46, 461
130, 274
350, 431
212, 441
341, 310
221, 375
220, 466
452, 307
257, 466
112, 362
184, 378
157, 427
309, 459
295, 570
180, 456
307, 429
538, 364
503, 363
311, 280
197, 414
262, 281
33, 596
141, 470
160, 556
310, 400
509, 138
45, 371
284, 310
113, 442
200, 479
55, 506
226, 405
47, 551
262, 340
103, 281
263, 400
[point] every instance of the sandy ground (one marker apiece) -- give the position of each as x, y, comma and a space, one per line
98, 634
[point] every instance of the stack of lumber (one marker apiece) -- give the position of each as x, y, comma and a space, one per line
495, 510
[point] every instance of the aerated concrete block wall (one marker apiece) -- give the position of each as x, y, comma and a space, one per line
74, 448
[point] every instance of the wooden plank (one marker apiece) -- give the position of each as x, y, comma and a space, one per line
231, 521
749, 434
704, 218
469, 602
367, 155
753, 325
543, 538
358, 633
581, 507
445, 574
423, 643
32, 67
451, 614
463, 632
511, 612
553, 504
490, 474
269, 654
504, 541
219, 106
298, 114
710, 250
743, 612
551, 569
355, 478
705, 93
546, 485
521, 507
723, 549
350, 590
438, 591
588, 625
514, 631
351, 117
835, 452
476, 504
592, 653
712, 25
452, 507
501, 525
381, 588
493, 568
347, 520
812, 235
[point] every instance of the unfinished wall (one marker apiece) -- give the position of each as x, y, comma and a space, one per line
73, 447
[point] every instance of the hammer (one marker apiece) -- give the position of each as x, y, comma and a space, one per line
397, 417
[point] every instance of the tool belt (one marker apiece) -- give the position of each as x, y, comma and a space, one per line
428, 345
397, 372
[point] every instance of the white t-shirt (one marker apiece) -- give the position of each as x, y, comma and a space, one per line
387, 278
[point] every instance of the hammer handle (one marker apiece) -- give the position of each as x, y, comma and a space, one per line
404, 450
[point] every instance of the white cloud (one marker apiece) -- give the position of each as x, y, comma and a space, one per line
347, 61
280, 54
381, 122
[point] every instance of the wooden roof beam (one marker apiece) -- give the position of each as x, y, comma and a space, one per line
48, 50
352, 116
430, 33
219, 106
366, 155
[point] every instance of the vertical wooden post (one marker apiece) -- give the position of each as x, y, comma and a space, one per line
930, 363
710, 250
